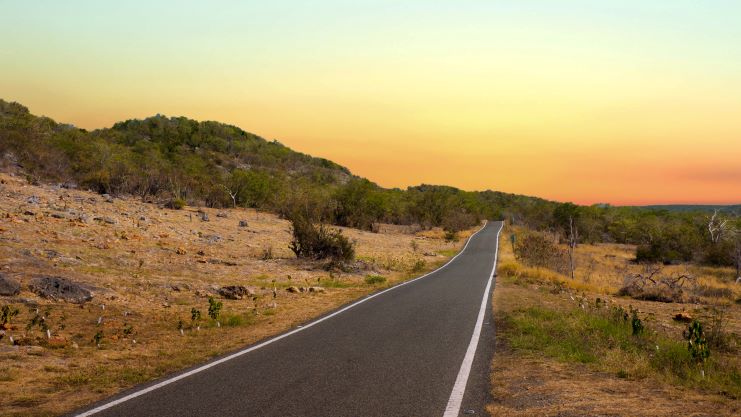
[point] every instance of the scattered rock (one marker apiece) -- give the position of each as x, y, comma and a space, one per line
9, 286
222, 214
235, 292
683, 316
293, 290
243, 223
212, 238
60, 288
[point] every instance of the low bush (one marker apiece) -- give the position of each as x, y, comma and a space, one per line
176, 204
319, 242
374, 279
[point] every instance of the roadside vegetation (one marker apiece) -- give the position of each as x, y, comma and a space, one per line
605, 329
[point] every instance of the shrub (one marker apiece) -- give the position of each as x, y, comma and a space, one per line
374, 279
418, 266
176, 204
214, 308
319, 242
697, 344
536, 249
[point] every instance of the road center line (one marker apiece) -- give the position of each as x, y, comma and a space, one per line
453, 408
202, 368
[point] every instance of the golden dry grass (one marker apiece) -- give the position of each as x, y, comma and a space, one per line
148, 270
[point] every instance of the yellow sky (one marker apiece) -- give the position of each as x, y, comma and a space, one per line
621, 102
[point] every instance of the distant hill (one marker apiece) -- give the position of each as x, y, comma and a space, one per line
728, 209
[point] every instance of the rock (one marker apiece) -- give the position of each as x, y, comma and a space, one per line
204, 216
9, 286
60, 288
293, 290
222, 214
106, 219
59, 215
243, 223
83, 218
316, 289
29, 213
33, 200
235, 292
212, 238
181, 251
108, 198
683, 317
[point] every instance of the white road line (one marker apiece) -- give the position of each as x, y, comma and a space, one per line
265, 343
453, 408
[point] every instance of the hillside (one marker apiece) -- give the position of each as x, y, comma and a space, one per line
217, 165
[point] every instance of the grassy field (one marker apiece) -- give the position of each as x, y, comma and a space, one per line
148, 268
571, 347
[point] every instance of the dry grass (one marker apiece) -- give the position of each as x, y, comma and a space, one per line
584, 376
148, 270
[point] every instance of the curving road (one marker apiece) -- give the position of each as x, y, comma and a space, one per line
418, 349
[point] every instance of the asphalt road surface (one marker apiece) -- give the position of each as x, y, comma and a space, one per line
413, 350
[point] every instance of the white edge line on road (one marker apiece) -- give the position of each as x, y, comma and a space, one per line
267, 342
453, 408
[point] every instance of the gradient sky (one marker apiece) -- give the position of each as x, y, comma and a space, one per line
626, 102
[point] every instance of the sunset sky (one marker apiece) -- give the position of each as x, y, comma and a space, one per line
626, 102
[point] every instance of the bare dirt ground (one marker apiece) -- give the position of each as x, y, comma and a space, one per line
148, 268
531, 384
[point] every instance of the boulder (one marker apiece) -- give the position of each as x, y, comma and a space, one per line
235, 292
9, 286
683, 317
243, 223
59, 288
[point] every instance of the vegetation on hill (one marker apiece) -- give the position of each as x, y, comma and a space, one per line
217, 165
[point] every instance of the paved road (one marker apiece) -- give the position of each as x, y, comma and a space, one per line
399, 353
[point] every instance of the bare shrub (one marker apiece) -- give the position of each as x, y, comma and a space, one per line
650, 285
